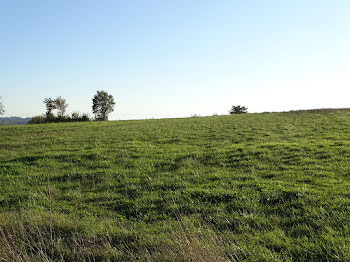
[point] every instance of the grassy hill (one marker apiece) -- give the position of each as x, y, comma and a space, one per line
255, 187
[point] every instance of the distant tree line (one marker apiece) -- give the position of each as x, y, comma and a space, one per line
102, 105
238, 109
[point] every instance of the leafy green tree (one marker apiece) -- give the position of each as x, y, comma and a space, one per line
50, 105
61, 106
102, 104
238, 110
2, 108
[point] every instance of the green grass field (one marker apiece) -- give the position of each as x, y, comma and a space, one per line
254, 187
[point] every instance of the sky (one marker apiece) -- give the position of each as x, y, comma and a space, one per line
163, 58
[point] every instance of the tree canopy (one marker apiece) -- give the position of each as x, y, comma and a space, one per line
51, 104
61, 106
102, 104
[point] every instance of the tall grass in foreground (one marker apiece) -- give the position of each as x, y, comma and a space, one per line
35, 240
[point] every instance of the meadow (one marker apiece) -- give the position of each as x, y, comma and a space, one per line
251, 187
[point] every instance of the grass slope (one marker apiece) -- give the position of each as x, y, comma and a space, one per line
255, 187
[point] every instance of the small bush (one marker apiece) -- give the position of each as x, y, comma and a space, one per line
238, 110
38, 120
75, 117
85, 117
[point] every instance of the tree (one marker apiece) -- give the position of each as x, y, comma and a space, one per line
2, 108
61, 106
238, 110
50, 105
102, 104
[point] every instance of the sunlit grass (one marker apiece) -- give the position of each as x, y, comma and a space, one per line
249, 187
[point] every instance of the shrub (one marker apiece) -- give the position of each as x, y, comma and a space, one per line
76, 117
238, 110
85, 117
38, 120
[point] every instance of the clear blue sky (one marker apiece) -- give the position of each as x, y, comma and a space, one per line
175, 58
